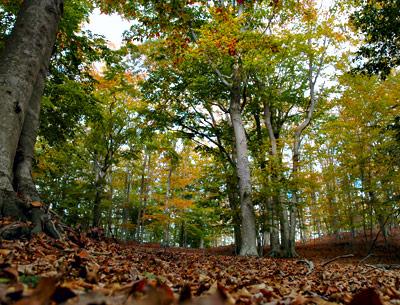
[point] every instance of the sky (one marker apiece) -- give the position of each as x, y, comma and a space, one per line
110, 26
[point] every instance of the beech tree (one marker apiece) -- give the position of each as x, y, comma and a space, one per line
23, 67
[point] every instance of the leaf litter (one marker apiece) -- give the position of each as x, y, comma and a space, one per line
81, 270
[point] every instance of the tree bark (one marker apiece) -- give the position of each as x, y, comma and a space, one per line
248, 229
23, 65
233, 197
166, 241
143, 194
27, 50
277, 208
23, 183
100, 183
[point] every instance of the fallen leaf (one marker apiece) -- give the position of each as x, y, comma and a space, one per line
42, 294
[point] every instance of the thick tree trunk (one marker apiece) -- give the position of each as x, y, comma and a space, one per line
23, 65
248, 230
25, 53
23, 183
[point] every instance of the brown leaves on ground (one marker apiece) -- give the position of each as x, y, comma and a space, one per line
86, 271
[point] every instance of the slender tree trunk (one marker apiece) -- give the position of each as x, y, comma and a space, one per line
110, 208
99, 189
274, 230
166, 241
248, 229
127, 206
291, 252
277, 208
141, 197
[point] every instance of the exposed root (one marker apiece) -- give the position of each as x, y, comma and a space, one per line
309, 264
11, 205
15, 230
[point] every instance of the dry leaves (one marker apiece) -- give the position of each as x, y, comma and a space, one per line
82, 270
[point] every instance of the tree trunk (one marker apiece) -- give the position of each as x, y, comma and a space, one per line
248, 230
166, 241
274, 230
277, 209
141, 197
23, 65
235, 208
127, 206
99, 188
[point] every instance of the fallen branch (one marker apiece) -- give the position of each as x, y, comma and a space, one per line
336, 258
309, 264
365, 258
387, 267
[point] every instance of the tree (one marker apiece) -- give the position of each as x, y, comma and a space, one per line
23, 67
378, 21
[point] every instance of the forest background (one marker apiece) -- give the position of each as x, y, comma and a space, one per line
253, 122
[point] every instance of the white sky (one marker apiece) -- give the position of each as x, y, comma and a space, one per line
110, 26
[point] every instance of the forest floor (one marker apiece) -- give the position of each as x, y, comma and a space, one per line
97, 271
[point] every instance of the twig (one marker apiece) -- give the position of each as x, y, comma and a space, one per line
336, 258
310, 265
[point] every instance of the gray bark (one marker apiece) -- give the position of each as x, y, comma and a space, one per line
99, 184
143, 194
233, 196
23, 65
127, 206
166, 241
275, 205
27, 50
23, 183
248, 229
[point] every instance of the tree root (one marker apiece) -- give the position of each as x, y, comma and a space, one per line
15, 230
21, 211
309, 264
